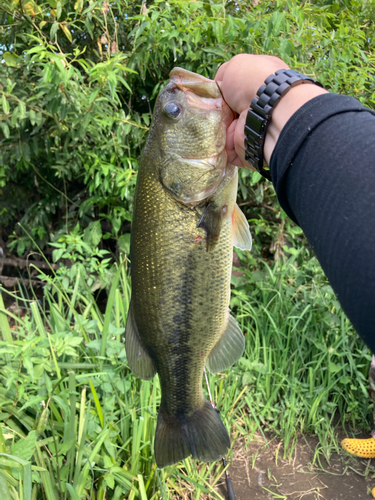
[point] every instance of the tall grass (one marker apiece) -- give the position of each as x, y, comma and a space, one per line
75, 422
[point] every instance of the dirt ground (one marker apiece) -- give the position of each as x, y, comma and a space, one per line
260, 472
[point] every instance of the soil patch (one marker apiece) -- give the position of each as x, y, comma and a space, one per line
260, 472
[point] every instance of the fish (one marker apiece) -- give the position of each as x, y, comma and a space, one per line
185, 223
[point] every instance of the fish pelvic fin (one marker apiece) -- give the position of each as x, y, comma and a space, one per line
228, 349
201, 435
140, 362
240, 230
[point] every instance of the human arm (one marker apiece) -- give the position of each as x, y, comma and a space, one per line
321, 151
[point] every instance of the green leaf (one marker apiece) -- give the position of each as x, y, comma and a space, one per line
94, 95
90, 8
14, 119
65, 446
255, 177
10, 59
4, 489
22, 108
334, 367
58, 10
93, 234
5, 128
35, 400
116, 224
110, 481
57, 254
124, 243
25, 448
53, 31
26, 151
32, 117
5, 104
247, 378
217, 51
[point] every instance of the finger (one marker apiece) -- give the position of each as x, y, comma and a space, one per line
220, 72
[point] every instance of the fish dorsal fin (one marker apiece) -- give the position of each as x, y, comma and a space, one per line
141, 364
211, 221
228, 349
240, 230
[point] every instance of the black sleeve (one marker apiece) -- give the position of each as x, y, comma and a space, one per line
323, 170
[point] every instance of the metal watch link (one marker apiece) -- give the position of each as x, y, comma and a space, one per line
260, 112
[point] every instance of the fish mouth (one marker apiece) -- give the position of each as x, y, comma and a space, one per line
201, 92
198, 84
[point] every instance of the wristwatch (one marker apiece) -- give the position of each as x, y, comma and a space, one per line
260, 112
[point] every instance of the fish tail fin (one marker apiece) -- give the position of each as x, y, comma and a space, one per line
201, 435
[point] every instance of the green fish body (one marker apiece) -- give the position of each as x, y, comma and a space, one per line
184, 226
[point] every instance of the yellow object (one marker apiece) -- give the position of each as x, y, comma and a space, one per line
373, 492
361, 448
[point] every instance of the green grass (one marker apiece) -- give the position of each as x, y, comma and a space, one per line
75, 422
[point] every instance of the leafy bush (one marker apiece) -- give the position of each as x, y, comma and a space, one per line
78, 81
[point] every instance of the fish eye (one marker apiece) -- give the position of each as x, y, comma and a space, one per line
172, 110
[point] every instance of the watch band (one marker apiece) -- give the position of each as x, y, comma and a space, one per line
260, 112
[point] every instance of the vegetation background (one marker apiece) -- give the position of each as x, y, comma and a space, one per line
78, 81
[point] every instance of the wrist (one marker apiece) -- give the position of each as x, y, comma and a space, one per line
288, 105
274, 90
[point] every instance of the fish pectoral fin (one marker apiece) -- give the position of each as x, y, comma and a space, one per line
240, 230
228, 349
201, 434
140, 362
211, 221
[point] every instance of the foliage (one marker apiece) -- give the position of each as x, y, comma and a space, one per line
78, 80
75, 423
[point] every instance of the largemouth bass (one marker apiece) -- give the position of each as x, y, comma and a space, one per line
185, 224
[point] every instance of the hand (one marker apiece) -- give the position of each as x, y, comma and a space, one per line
240, 80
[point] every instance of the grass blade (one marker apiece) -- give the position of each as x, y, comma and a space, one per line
73, 400
73, 493
4, 324
97, 403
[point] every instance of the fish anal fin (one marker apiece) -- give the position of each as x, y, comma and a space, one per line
240, 230
228, 349
211, 221
140, 362
201, 435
